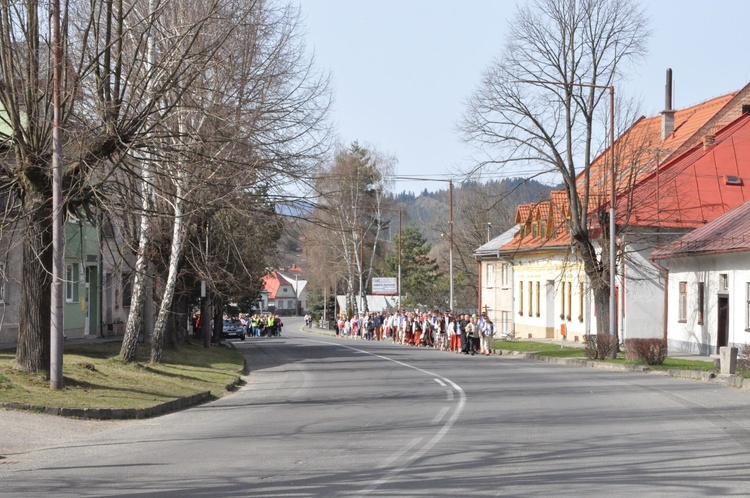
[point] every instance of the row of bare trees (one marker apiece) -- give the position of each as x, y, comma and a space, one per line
183, 123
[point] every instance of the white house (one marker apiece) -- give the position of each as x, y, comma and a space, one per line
709, 285
496, 281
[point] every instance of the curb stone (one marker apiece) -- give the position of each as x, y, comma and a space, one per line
112, 413
125, 413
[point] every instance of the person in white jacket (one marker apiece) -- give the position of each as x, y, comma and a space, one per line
486, 334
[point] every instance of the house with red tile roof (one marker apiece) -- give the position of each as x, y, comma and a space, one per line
675, 171
279, 295
708, 290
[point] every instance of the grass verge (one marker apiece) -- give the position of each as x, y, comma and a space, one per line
552, 349
543, 348
94, 377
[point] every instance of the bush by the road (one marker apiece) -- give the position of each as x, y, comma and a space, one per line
648, 351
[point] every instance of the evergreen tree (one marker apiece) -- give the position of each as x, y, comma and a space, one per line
422, 282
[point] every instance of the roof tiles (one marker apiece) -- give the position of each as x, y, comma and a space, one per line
729, 232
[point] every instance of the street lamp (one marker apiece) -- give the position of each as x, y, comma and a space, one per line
612, 318
450, 237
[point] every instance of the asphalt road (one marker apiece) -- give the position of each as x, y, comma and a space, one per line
321, 416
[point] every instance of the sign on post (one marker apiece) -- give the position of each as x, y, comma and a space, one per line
384, 286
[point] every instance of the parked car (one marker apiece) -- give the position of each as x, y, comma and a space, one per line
233, 328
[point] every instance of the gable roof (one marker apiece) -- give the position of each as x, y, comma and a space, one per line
272, 282
491, 248
642, 148
695, 187
729, 232
550, 214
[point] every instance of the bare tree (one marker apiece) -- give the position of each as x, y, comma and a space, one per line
352, 192
537, 108
251, 123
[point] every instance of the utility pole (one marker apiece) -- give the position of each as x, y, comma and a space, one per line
450, 233
58, 240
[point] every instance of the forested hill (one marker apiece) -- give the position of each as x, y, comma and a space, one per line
474, 204
479, 210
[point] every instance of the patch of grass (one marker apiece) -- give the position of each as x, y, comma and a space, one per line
553, 349
94, 377
543, 348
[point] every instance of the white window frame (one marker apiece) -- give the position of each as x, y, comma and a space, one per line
506, 275
723, 282
747, 306
490, 276
72, 277
682, 301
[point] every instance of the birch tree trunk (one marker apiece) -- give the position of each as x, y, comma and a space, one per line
135, 316
157, 338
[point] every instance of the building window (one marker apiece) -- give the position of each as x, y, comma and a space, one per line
531, 297
534, 231
747, 306
290, 304
723, 282
520, 297
490, 276
506, 275
543, 229
3, 283
682, 305
127, 289
538, 298
580, 301
281, 304
570, 301
562, 301
701, 301
72, 276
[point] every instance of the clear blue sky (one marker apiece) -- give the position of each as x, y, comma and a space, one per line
402, 69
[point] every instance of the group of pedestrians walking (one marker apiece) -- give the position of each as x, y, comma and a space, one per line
462, 333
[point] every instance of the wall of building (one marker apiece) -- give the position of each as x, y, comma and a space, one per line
497, 293
555, 298
691, 336
10, 279
643, 307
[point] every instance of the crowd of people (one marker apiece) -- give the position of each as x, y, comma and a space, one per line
262, 325
256, 325
462, 333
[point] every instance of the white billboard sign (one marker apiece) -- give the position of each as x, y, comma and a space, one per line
384, 286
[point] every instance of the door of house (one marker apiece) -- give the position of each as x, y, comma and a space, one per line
91, 302
86, 304
722, 333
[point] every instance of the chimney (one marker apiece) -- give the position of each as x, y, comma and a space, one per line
667, 115
708, 140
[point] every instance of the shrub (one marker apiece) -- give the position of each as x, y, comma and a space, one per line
743, 357
648, 351
599, 347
